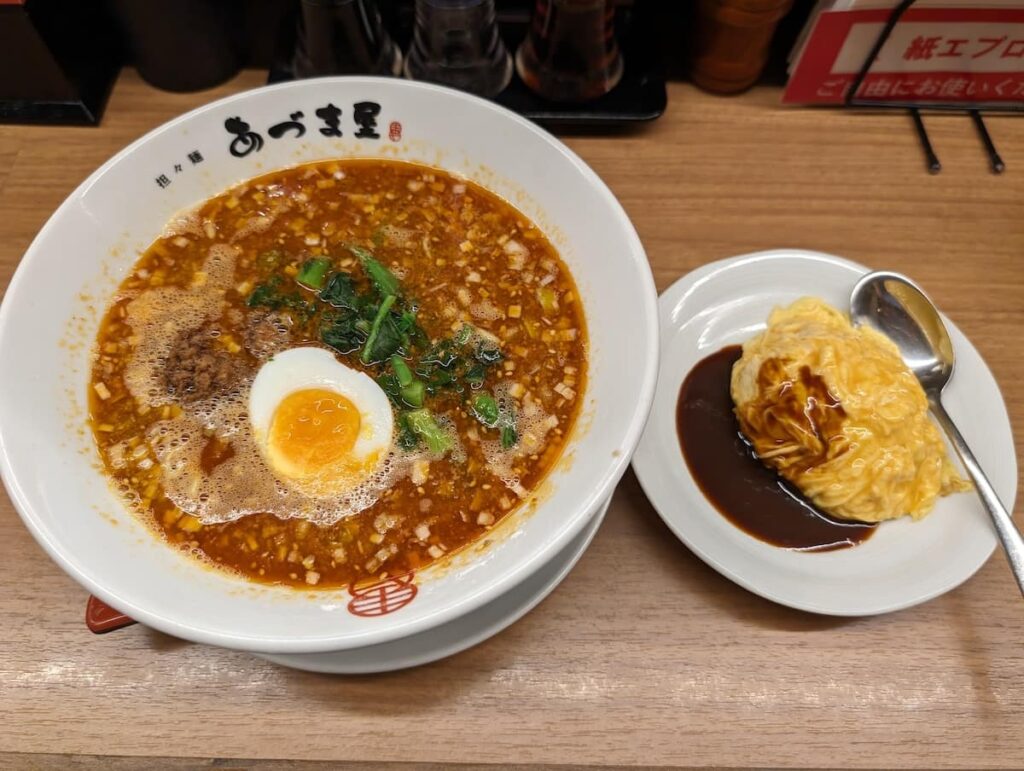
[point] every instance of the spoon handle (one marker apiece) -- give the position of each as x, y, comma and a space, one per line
1013, 543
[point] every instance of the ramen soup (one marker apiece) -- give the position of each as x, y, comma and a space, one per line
338, 372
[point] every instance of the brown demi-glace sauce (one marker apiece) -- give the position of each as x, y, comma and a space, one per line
746, 492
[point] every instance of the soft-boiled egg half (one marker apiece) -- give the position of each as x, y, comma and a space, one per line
321, 426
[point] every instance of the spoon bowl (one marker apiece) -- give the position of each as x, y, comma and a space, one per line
893, 305
896, 307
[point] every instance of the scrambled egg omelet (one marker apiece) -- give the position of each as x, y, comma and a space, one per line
834, 409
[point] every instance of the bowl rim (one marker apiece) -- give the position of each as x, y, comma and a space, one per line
492, 587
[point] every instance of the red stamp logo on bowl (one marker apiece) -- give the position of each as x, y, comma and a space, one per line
382, 597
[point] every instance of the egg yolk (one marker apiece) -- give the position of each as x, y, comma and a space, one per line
313, 431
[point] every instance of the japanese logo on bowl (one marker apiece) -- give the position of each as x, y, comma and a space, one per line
242, 138
933, 55
382, 597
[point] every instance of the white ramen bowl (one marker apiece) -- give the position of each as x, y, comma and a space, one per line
54, 304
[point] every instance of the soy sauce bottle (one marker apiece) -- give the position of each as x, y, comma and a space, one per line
570, 53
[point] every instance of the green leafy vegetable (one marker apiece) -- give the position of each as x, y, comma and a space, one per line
485, 409
407, 438
443, 353
413, 394
384, 339
269, 295
313, 273
509, 437
390, 340
509, 428
401, 370
437, 369
383, 279
475, 375
389, 384
341, 331
438, 378
266, 295
409, 327
340, 292
425, 427
449, 363
487, 352
409, 389
402, 397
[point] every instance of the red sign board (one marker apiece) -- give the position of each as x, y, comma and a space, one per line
947, 55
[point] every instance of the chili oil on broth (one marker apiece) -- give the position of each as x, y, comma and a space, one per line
181, 344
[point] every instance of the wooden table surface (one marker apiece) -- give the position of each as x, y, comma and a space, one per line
700, 673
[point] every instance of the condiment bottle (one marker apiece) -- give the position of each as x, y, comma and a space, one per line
456, 43
343, 37
570, 53
731, 42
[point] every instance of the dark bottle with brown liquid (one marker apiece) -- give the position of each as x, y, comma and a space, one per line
570, 53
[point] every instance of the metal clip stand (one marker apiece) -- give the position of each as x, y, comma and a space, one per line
915, 107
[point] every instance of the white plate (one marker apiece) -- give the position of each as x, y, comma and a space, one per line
455, 636
904, 563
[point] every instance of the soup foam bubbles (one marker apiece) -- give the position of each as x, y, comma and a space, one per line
241, 483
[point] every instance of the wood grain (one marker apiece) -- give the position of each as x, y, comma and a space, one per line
644, 656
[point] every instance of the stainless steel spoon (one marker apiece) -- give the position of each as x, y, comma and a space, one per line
897, 308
